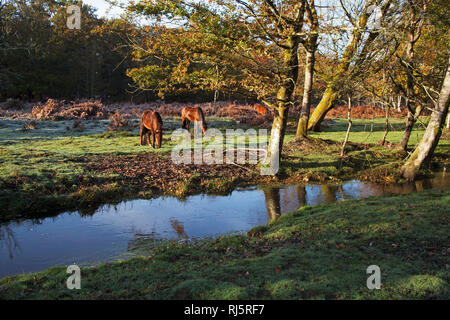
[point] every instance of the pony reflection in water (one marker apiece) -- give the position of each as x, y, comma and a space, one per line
189, 114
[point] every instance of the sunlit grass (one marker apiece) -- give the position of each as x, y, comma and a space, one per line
366, 131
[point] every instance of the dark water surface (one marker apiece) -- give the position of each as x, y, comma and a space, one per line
113, 232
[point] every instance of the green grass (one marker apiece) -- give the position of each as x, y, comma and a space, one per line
318, 252
361, 131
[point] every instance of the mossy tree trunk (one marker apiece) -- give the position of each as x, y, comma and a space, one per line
281, 112
408, 129
425, 149
326, 103
284, 93
410, 121
331, 93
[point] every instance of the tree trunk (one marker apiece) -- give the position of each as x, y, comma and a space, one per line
386, 126
349, 118
284, 97
273, 157
311, 46
430, 139
399, 103
410, 120
302, 126
408, 129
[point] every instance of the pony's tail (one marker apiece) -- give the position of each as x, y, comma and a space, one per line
202, 117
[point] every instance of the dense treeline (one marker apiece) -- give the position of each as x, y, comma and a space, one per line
40, 57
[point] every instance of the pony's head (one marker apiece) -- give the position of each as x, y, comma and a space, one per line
158, 137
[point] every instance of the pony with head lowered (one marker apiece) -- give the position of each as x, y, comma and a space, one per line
151, 123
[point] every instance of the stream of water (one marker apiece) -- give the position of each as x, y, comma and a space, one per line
114, 232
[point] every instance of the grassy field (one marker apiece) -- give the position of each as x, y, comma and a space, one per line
55, 166
318, 252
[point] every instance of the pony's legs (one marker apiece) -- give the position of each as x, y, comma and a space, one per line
141, 132
144, 134
147, 134
153, 139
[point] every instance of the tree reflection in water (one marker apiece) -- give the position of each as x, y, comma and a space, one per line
273, 207
283, 200
8, 239
329, 193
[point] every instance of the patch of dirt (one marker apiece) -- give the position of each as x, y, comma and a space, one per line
156, 172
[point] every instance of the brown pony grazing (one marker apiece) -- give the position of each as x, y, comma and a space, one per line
189, 114
260, 109
151, 122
